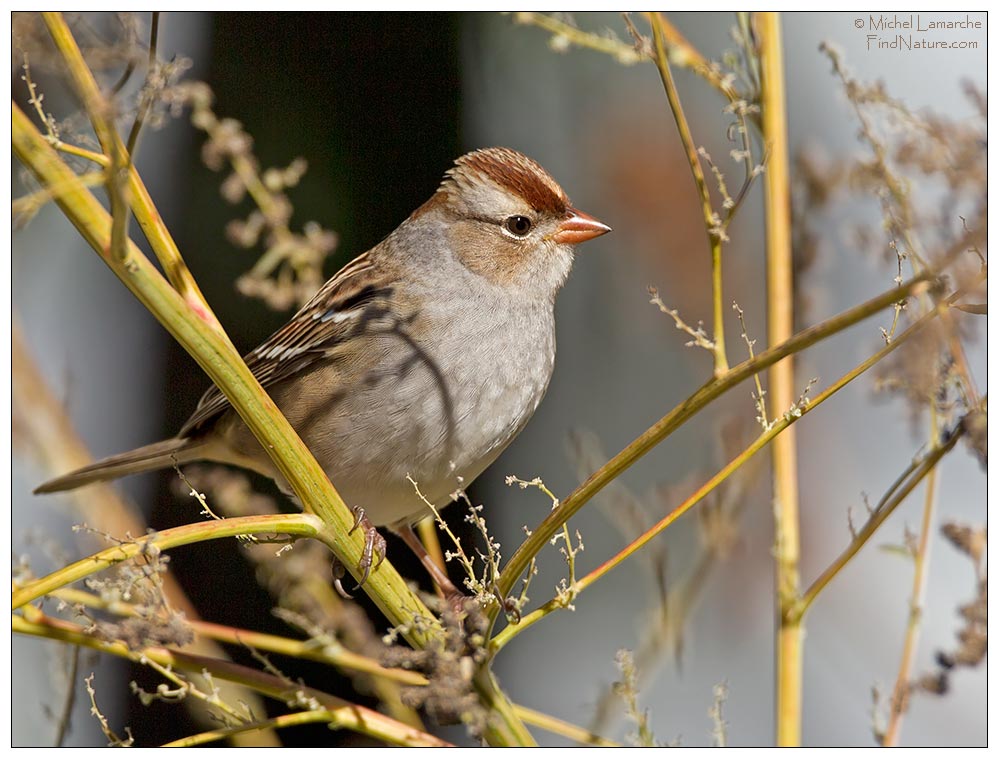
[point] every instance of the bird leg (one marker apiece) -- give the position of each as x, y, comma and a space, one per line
374, 544
448, 588
374, 547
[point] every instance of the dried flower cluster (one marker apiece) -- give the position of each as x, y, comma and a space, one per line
450, 666
290, 270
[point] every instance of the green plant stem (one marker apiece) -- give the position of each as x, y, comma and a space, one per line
621, 51
299, 525
347, 715
90, 155
707, 393
507, 634
684, 55
921, 561
216, 355
780, 325
285, 720
712, 221
26, 206
330, 651
900, 489
99, 110
561, 727
146, 99
552, 724
503, 719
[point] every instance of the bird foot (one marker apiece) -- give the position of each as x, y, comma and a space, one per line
374, 548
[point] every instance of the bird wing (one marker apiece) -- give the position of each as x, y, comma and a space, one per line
333, 314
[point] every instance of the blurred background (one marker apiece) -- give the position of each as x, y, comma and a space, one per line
380, 105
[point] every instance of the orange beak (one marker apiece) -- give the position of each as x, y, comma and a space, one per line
578, 227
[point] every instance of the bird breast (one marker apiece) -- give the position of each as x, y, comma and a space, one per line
493, 379
437, 406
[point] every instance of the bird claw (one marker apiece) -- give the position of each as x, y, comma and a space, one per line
374, 545
339, 572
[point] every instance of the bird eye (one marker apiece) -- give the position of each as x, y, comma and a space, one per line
518, 226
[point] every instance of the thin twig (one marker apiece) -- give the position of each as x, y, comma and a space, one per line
308, 717
565, 35
146, 98
698, 336
65, 716
712, 222
303, 525
113, 738
893, 497
760, 398
561, 727
921, 560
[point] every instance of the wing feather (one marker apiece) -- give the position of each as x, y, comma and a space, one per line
322, 323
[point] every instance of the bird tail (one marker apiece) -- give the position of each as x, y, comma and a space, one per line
159, 455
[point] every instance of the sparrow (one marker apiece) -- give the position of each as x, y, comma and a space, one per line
422, 358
